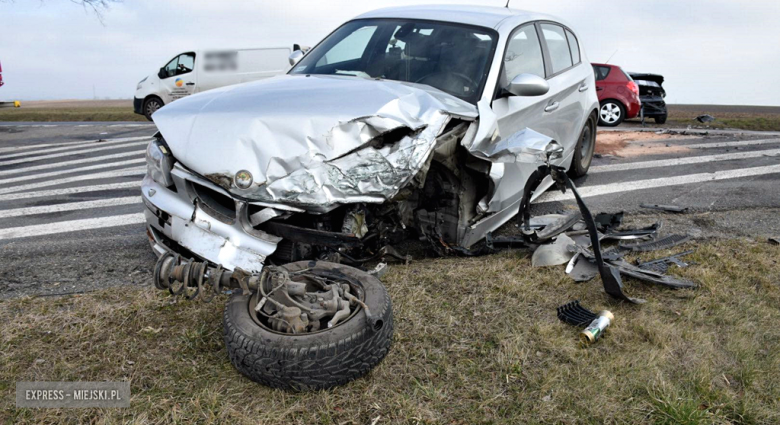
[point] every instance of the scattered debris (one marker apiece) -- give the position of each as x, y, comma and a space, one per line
652, 277
582, 270
634, 233
774, 241
666, 208
553, 254
661, 265
606, 222
705, 118
558, 226
574, 314
379, 271
657, 245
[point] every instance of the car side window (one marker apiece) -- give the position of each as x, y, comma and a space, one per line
574, 47
523, 54
601, 72
179, 65
558, 46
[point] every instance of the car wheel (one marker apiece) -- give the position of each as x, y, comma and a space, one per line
611, 114
313, 360
151, 106
660, 120
583, 151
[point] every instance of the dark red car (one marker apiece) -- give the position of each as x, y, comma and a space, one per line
618, 95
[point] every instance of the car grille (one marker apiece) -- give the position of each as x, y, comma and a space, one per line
215, 204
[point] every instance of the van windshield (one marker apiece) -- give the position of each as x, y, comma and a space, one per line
450, 57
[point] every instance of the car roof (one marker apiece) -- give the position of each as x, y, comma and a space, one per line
484, 16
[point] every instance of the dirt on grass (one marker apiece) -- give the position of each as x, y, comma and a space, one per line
477, 341
637, 143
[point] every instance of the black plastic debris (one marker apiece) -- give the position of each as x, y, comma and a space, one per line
634, 233
666, 242
705, 118
580, 269
652, 277
576, 315
774, 241
665, 208
661, 265
605, 222
558, 226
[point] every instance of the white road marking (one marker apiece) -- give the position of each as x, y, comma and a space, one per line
71, 206
731, 144
71, 226
70, 191
68, 145
682, 161
72, 162
105, 175
621, 187
73, 170
96, 148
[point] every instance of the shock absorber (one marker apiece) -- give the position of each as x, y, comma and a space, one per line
193, 279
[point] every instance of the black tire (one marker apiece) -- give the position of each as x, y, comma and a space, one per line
583, 151
151, 105
611, 113
317, 360
661, 119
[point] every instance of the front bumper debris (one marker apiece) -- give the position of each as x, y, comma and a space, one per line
178, 217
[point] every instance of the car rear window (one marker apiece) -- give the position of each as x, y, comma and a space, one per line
574, 47
601, 72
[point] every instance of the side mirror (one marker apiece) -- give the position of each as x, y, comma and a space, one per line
296, 57
528, 85
162, 74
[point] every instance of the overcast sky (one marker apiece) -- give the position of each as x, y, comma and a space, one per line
711, 51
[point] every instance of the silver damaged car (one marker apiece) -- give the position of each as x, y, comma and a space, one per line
425, 123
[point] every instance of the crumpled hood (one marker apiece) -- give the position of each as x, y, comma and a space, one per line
276, 127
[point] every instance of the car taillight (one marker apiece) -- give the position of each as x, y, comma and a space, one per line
633, 87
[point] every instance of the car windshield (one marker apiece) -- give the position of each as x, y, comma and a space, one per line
450, 57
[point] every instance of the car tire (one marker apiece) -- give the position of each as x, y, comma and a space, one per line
151, 105
661, 119
611, 113
584, 149
317, 360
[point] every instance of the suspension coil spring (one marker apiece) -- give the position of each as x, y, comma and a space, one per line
189, 278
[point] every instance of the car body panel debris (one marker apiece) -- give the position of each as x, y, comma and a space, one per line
706, 118
605, 222
553, 254
582, 270
632, 234
661, 265
666, 208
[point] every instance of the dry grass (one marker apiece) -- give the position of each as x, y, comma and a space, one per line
60, 114
477, 341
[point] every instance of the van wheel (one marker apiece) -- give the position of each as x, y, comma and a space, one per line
151, 106
612, 113
316, 360
583, 152
661, 119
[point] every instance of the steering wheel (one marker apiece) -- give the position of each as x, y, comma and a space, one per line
447, 83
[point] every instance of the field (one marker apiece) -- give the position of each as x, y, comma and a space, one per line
476, 341
759, 118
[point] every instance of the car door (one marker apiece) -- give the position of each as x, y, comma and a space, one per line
569, 81
524, 55
177, 78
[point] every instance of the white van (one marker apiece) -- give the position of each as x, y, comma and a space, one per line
194, 72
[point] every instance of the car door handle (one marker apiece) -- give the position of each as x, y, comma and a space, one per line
190, 84
551, 107
583, 88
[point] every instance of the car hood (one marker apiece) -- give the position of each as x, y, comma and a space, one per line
291, 124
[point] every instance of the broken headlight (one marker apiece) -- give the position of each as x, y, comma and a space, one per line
159, 163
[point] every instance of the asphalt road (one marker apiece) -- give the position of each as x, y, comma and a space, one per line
71, 215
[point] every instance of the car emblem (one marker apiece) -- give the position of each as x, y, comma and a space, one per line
243, 179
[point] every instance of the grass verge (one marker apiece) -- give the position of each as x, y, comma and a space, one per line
477, 341
111, 113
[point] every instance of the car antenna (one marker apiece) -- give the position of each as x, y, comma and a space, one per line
610, 58
507, 4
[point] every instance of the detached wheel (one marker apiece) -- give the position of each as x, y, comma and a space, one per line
313, 360
583, 151
612, 113
661, 119
151, 106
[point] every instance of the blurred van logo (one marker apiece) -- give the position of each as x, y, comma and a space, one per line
179, 82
